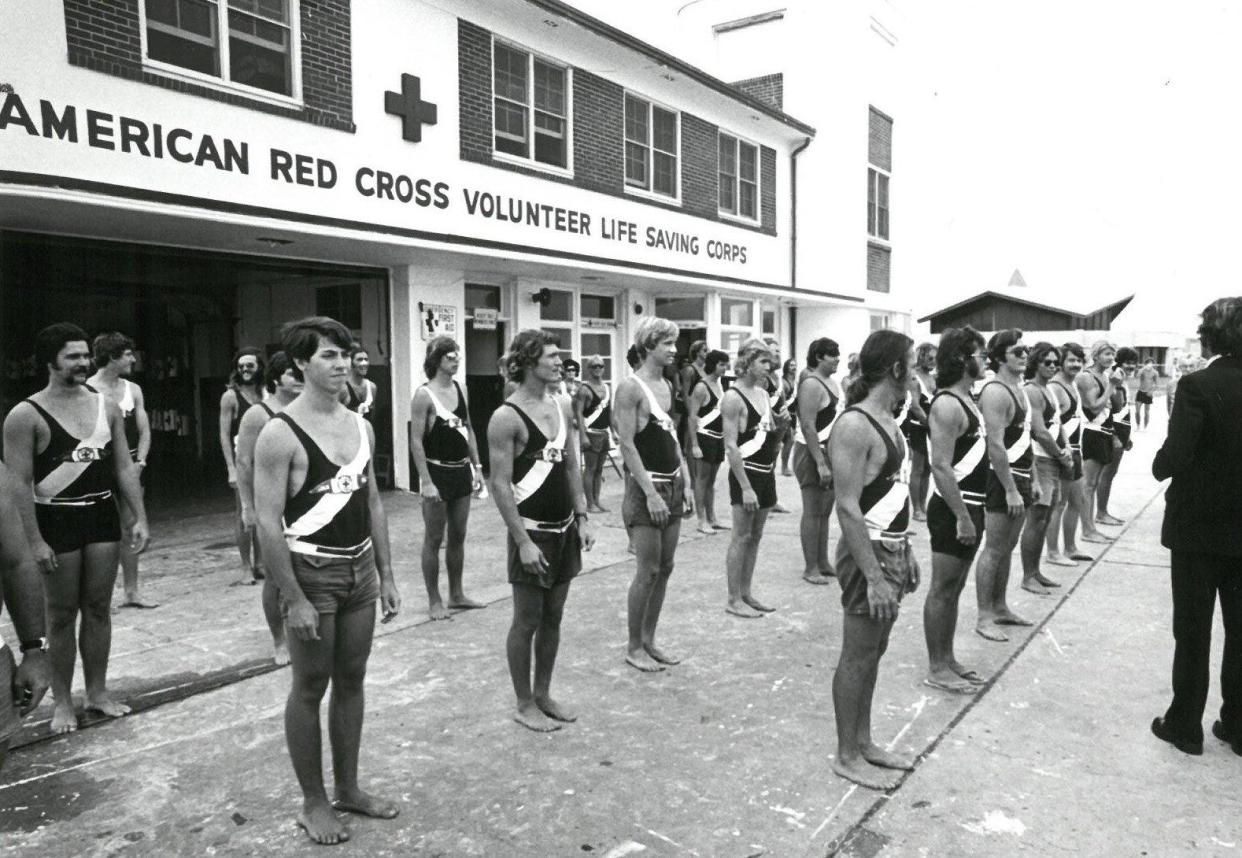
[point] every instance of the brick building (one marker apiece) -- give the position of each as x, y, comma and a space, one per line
462, 167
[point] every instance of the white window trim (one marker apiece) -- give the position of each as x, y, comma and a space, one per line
651, 193
696, 324
871, 236
725, 214
575, 328
529, 162
222, 83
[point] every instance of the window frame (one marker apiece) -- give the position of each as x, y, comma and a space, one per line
752, 331
650, 193
874, 175
737, 216
222, 82
529, 161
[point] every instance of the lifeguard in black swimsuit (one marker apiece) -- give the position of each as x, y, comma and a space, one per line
706, 436
875, 562
66, 446
656, 496
537, 488
244, 390
325, 542
446, 459
819, 404
360, 390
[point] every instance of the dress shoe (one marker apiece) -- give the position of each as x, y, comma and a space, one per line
1186, 746
1233, 741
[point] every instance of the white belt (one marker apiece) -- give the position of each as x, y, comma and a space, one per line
83, 500
461, 463
299, 546
708, 433
548, 526
890, 538
762, 469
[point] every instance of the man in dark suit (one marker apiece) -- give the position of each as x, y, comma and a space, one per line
1203, 531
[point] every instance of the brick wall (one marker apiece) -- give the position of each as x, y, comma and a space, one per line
598, 129
878, 261
474, 85
880, 140
105, 36
770, 89
700, 193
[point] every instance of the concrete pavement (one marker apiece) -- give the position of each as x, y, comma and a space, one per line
727, 754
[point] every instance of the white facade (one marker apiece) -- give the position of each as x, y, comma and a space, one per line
242, 181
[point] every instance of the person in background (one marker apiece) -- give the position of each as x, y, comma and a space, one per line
1119, 404
707, 439
1203, 506
789, 389
360, 390
819, 402
1148, 379
593, 419
245, 389
114, 363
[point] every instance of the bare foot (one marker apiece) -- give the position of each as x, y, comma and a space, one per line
779, 508
877, 756
105, 705
706, 528
437, 611
246, 580
365, 804
280, 653
1056, 558
720, 526
919, 515
133, 600
531, 717
984, 630
743, 610
1078, 554
1032, 585
816, 578
659, 655
464, 603
757, 605
321, 824
1097, 538
1009, 618
866, 775
64, 719
596, 508
554, 710
1110, 520
1045, 580
641, 660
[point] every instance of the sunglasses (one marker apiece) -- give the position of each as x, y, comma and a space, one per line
1051, 362
1019, 351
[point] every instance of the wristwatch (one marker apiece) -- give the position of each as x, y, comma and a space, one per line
34, 643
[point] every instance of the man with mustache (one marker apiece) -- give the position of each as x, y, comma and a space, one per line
243, 391
65, 445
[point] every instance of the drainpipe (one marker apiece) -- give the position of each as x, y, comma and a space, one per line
793, 218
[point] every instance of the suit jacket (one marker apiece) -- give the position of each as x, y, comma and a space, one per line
1203, 455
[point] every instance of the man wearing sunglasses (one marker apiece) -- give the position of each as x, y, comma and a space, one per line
1010, 490
1052, 457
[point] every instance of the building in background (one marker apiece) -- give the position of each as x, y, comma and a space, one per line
195, 174
835, 64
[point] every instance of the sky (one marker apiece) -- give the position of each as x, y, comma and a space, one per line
1094, 146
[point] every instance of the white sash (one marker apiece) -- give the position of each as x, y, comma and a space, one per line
1023, 443
349, 479
1123, 414
533, 479
661, 416
885, 511
1054, 427
87, 452
1072, 423
1097, 422
368, 401
453, 421
755, 444
905, 409
127, 398
822, 434
592, 417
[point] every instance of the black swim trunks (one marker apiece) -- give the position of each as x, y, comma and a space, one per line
763, 483
994, 499
1097, 446
66, 528
562, 552
942, 526
452, 479
1142, 397
634, 512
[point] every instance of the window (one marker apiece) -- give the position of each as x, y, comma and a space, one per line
258, 51
650, 147
881, 321
600, 307
737, 312
343, 303
768, 325
681, 310
877, 204
739, 177
531, 100
879, 264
